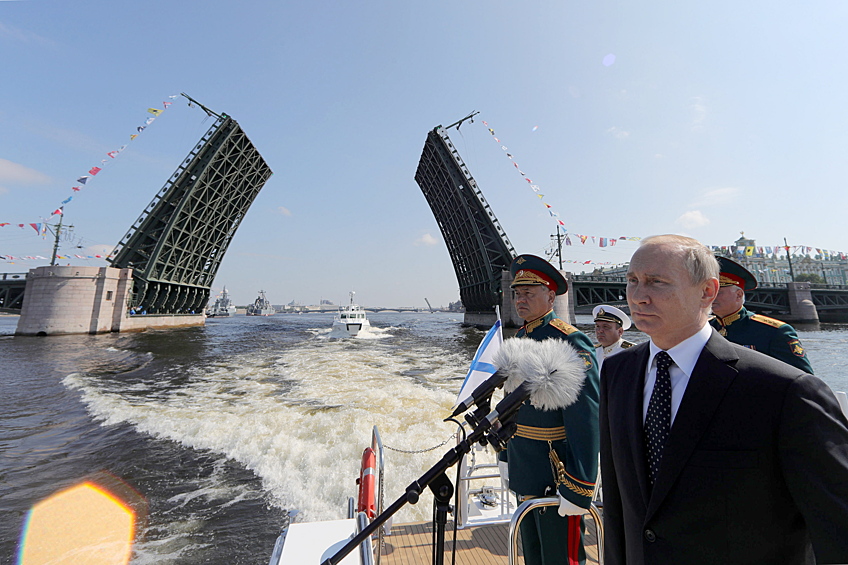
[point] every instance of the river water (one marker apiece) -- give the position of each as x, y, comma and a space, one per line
225, 428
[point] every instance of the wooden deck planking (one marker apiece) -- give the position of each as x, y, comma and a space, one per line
410, 544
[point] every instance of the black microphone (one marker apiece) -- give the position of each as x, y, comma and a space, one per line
482, 393
510, 404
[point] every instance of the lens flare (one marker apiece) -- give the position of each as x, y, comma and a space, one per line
84, 524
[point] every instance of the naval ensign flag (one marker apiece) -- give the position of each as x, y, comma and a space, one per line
482, 367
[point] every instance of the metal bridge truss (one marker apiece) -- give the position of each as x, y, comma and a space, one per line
826, 298
12, 286
176, 246
588, 290
767, 300
478, 246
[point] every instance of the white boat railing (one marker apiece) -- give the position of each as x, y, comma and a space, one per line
281, 541
529, 505
377, 447
471, 471
366, 550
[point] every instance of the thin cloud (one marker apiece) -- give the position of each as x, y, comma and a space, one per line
284, 211
426, 239
716, 197
22, 36
693, 219
12, 173
618, 133
265, 256
699, 109
66, 138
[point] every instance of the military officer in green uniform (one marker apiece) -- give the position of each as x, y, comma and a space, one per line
760, 333
571, 436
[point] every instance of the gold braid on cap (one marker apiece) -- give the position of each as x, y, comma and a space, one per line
728, 280
526, 276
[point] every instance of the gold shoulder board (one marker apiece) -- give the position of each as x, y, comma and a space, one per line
766, 320
625, 344
567, 329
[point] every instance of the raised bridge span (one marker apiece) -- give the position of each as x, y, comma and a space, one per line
163, 268
481, 252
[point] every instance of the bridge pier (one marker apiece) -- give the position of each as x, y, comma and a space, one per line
801, 307
563, 306
61, 300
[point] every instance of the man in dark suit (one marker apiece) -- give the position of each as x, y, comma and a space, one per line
711, 452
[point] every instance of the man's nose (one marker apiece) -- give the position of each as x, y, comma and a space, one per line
636, 294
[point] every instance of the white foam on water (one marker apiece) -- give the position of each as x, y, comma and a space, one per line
301, 419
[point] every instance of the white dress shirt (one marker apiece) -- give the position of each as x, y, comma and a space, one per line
685, 354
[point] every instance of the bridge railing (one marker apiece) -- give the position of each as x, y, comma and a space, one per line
813, 286
598, 278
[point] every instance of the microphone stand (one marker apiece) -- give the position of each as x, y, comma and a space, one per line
438, 483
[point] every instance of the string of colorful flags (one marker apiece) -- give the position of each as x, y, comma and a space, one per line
41, 258
611, 241
778, 251
534, 187
601, 241
83, 180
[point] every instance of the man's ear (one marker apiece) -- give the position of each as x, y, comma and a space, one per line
710, 292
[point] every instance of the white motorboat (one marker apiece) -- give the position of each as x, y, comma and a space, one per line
350, 320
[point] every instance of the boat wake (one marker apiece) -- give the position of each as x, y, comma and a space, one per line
297, 418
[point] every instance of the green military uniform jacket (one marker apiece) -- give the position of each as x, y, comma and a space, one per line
766, 335
530, 472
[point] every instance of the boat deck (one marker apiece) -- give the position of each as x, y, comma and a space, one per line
411, 544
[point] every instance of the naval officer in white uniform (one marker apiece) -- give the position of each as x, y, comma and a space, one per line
610, 323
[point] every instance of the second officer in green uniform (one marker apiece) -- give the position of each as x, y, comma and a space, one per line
760, 333
545, 438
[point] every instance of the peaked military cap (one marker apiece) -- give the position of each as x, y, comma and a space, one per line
607, 313
734, 274
532, 270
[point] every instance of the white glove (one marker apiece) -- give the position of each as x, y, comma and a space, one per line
503, 468
567, 508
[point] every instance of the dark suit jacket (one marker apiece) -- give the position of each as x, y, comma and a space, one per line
755, 469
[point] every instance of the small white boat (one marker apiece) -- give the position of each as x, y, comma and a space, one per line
350, 319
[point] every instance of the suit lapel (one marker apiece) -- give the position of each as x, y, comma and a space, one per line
711, 377
635, 425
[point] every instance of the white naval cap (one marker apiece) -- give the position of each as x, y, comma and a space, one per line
609, 313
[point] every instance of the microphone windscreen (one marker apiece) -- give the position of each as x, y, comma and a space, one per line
552, 368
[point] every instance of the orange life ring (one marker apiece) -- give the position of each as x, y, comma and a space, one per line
367, 484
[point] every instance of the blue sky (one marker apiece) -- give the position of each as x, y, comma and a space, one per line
711, 120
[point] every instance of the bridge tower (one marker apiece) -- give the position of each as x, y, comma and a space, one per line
478, 246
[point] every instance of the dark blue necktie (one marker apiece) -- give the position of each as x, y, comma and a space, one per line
658, 419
